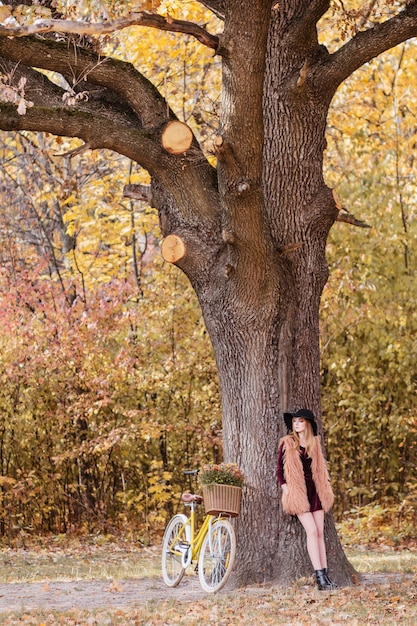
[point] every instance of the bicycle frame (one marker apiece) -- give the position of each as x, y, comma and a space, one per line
192, 540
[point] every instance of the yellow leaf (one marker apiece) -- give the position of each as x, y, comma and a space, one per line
5, 12
115, 587
69, 200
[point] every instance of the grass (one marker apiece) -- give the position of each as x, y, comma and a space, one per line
112, 561
82, 561
367, 560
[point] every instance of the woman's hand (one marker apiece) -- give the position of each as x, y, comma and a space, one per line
284, 488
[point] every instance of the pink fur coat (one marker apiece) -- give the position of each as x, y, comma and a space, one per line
295, 502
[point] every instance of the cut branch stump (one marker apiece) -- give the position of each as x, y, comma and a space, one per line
173, 248
177, 137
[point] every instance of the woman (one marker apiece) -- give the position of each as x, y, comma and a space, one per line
306, 491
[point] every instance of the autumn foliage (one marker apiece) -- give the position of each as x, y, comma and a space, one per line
108, 384
103, 402
107, 396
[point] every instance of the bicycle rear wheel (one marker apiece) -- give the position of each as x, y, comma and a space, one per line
172, 569
217, 556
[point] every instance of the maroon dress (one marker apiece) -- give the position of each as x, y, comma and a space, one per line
312, 495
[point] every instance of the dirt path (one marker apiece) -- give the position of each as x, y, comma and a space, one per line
95, 594
92, 594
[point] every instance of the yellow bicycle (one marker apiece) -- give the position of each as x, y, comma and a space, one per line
213, 546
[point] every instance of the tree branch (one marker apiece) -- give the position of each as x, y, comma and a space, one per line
369, 44
216, 6
143, 18
314, 11
121, 111
348, 218
138, 192
83, 68
303, 30
99, 127
190, 182
344, 215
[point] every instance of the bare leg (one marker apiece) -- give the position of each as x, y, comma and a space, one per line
319, 521
315, 540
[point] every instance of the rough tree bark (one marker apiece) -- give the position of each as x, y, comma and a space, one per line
254, 231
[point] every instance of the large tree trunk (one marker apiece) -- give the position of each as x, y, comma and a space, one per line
261, 294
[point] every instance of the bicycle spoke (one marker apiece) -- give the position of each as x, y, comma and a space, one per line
172, 569
217, 556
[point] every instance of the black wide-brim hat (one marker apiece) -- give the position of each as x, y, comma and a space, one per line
306, 414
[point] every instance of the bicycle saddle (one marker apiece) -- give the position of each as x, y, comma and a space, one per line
191, 497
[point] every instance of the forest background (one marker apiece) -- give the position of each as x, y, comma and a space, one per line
108, 383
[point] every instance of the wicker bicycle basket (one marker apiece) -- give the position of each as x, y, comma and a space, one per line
222, 499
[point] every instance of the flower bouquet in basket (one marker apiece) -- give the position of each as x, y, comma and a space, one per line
222, 488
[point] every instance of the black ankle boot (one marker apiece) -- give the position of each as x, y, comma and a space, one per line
321, 580
329, 581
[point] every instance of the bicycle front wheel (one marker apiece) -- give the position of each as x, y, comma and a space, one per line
174, 537
217, 556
